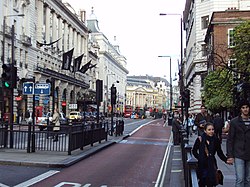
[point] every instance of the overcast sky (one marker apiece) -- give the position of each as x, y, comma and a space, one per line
141, 33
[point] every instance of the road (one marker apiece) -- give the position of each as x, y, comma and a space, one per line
135, 161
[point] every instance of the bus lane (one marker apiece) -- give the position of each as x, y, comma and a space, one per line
133, 162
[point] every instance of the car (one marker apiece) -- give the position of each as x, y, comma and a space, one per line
75, 115
42, 121
134, 115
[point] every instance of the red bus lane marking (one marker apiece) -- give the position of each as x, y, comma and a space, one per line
123, 164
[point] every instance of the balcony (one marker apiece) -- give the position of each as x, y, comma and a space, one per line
26, 40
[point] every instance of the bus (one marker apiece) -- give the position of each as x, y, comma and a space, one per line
128, 111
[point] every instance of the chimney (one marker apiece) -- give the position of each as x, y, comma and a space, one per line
83, 15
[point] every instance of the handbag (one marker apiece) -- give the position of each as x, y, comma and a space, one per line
219, 177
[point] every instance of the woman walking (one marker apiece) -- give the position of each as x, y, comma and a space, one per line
204, 150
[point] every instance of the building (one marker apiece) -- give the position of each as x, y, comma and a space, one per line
112, 65
196, 18
151, 92
44, 32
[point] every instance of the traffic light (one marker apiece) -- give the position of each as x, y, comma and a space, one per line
99, 91
186, 98
113, 95
9, 76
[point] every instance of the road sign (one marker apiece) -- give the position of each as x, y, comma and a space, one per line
72, 106
42, 89
28, 88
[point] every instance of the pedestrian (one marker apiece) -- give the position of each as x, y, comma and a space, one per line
176, 127
190, 123
204, 150
27, 116
56, 124
238, 145
218, 126
201, 118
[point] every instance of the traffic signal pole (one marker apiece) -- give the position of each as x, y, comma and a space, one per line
12, 88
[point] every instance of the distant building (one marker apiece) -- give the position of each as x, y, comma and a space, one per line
150, 92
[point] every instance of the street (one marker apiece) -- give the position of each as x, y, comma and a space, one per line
134, 161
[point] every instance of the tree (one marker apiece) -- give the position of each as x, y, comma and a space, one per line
220, 84
217, 90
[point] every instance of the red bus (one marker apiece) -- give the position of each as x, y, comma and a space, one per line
128, 111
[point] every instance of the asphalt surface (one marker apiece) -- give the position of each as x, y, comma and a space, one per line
174, 173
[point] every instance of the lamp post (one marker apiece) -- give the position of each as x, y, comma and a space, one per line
171, 86
181, 51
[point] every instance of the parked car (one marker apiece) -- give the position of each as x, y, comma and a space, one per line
42, 121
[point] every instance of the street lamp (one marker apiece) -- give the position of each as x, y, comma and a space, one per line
181, 51
171, 86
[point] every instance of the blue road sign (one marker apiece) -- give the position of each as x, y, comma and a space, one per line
28, 88
42, 89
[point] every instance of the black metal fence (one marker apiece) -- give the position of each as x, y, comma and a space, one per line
190, 163
72, 136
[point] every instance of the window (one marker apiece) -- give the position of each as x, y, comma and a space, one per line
204, 22
231, 42
204, 50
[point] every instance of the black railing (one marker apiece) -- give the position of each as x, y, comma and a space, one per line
190, 163
72, 136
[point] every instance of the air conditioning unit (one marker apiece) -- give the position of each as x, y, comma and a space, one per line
26, 40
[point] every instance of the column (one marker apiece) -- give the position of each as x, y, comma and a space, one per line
60, 33
39, 32
70, 37
54, 26
47, 24
65, 37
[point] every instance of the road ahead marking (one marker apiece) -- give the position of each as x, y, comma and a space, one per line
37, 179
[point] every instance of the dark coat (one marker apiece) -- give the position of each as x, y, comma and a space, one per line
201, 117
238, 140
207, 164
218, 124
176, 125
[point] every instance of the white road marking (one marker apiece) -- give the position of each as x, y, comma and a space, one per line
160, 179
176, 171
71, 184
37, 179
3, 185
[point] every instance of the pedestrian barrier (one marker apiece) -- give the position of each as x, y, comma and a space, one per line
190, 163
72, 136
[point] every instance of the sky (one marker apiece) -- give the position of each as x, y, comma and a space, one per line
141, 33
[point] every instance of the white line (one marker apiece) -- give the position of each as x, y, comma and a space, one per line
139, 128
176, 171
3, 185
162, 172
37, 179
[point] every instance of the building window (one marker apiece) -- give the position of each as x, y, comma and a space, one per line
204, 50
231, 42
204, 22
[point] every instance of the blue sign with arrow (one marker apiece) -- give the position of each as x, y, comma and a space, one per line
28, 88
42, 89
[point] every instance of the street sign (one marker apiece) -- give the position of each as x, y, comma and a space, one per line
42, 89
72, 106
28, 88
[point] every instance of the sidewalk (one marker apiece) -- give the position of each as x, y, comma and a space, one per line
53, 159
227, 170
